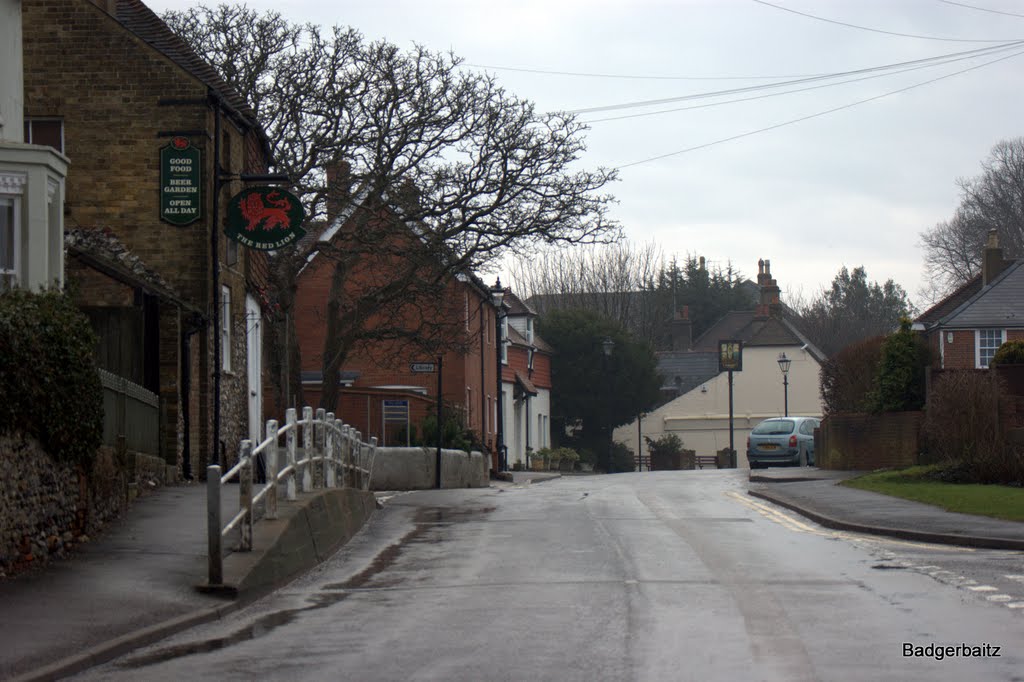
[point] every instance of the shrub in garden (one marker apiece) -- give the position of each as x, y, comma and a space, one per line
1010, 353
900, 381
49, 386
848, 377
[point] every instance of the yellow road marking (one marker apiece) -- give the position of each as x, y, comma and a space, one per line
798, 526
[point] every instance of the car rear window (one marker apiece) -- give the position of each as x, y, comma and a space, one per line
775, 427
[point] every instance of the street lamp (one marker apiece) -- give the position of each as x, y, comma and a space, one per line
784, 363
497, 296
607, 346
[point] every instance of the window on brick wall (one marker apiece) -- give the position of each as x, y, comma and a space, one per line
225, 328
988, 341
45, 131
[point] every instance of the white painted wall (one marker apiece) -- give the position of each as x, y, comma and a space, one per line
30, 175
701, 419
516, 415
11, 73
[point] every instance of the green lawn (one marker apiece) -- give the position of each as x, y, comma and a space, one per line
999, 501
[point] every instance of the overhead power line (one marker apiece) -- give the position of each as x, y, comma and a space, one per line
798, 90
816, 114
877, 30
981, 9
623, 76
800, 81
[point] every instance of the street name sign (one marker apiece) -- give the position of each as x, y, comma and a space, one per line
423, 367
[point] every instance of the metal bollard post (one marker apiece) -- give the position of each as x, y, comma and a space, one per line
307, 448
290, 440
318, 445
329, 451
272, 469
245, 494
213, 525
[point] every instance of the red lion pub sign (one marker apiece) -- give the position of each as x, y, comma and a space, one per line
265, 218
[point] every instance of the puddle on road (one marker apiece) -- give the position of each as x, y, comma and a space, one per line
426, 521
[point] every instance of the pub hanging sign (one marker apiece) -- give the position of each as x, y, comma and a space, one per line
181, 196
265, 218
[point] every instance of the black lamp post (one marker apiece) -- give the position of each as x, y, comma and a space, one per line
784, 363
608, 345
497, 295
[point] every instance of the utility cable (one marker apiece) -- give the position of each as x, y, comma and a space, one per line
787, 92
981, 9
815, 115
622, 76
753, 88
877, 30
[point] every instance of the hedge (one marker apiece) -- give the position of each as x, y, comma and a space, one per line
49, 385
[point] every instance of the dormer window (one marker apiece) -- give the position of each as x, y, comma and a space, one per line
529, 330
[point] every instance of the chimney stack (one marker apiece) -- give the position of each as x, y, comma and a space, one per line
338, 175
769, 304
681, 330
992, 262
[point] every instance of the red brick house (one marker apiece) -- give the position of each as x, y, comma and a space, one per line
526, 383
110, 86
964, 329
380, 391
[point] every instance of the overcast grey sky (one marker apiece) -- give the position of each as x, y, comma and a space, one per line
852, 187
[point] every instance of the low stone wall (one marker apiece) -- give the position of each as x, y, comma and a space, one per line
864, 442
48, 507
415, 469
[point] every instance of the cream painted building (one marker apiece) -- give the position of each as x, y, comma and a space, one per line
31, 177
699, 415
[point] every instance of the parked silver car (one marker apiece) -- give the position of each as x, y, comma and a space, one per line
778, 441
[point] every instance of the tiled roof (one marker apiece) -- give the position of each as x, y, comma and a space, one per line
951, 302
146, 25
103, 247
998, 304
691, 368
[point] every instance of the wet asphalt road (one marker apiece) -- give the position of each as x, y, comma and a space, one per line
664, 576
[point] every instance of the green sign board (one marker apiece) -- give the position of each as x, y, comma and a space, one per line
265, 218
181, 196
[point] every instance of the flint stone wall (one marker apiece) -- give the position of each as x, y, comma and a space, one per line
48, 507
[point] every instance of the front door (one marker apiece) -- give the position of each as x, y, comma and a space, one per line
254, 355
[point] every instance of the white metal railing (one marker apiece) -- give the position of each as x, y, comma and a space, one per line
332, 455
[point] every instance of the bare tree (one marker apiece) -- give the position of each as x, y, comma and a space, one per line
444, 170
851, 310
612, 280
993, 200
633, 285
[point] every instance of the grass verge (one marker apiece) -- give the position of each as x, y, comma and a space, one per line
918, 484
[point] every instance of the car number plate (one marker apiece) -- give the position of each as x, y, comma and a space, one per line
769, 446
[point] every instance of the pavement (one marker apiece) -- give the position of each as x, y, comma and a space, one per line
136, 583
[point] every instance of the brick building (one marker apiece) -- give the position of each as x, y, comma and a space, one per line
964, 329
379, 391
526, 383
111, 87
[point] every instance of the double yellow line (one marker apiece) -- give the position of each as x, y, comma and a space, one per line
799, 526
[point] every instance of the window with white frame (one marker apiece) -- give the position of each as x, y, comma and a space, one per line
225, 328
10, 241
989, 341
529, 329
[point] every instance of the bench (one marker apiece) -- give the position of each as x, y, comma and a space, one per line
707, 460
645, 460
